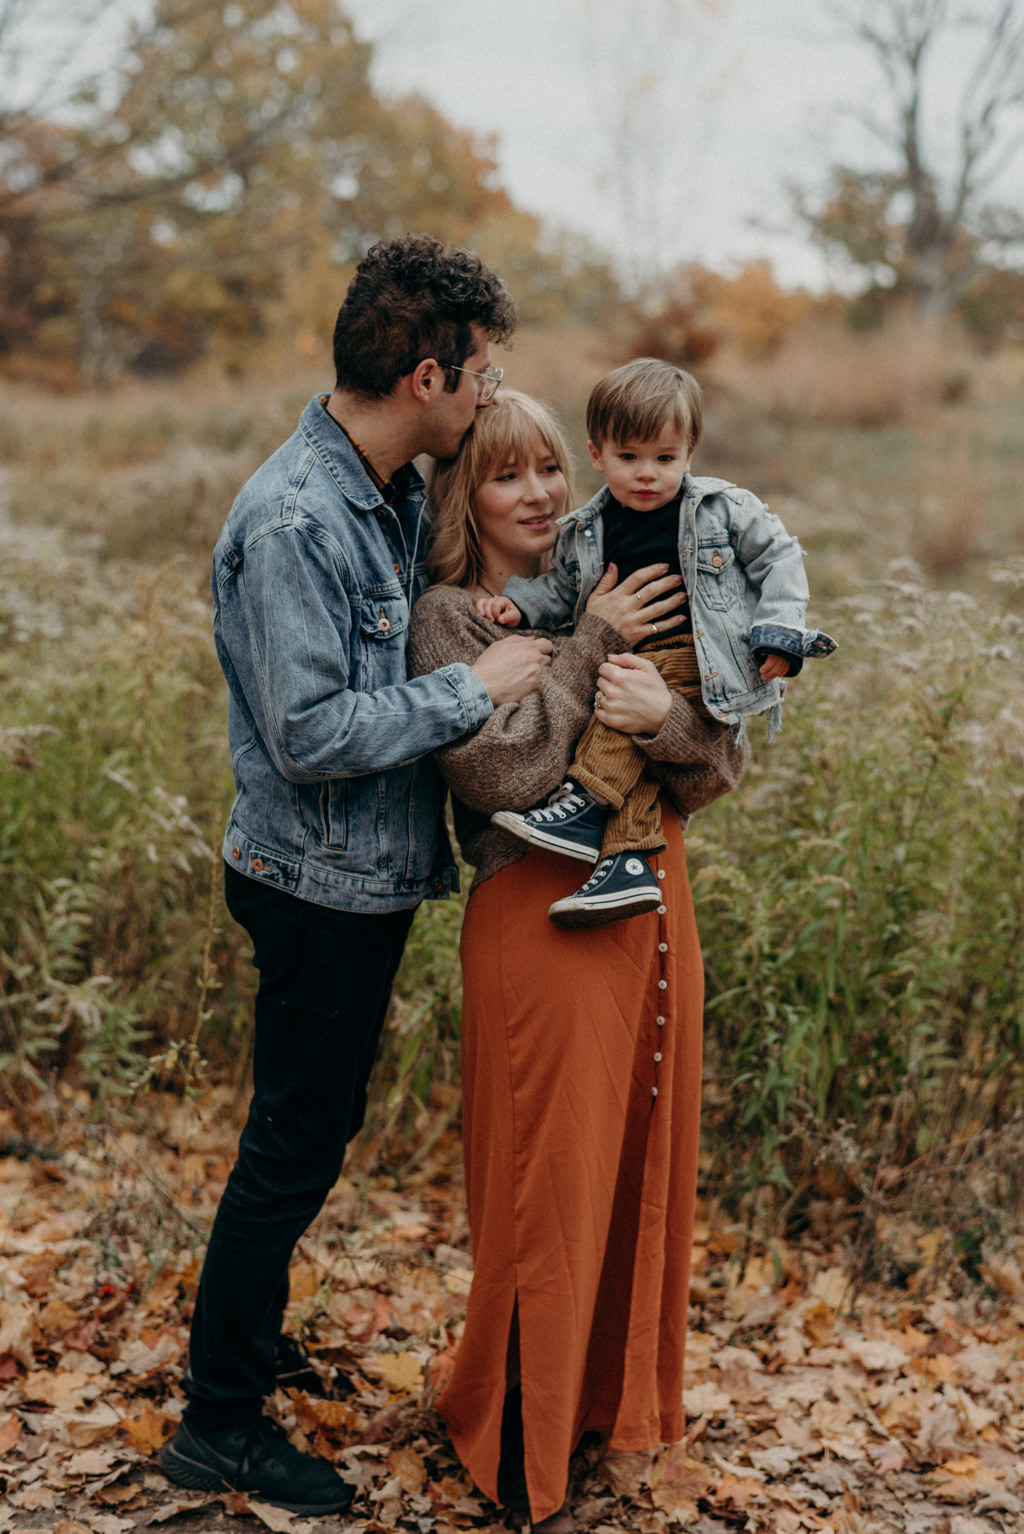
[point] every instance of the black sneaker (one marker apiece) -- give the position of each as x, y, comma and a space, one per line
572, 822
259, 1460
622, 885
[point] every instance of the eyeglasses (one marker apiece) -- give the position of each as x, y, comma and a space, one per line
491, 379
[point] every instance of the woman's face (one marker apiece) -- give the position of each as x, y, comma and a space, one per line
515, 508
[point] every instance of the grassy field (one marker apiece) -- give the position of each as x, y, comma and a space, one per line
861, 897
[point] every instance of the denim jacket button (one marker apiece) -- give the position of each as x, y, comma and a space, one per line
236, 853
257, 863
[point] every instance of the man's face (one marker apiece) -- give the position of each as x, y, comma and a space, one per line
453, 413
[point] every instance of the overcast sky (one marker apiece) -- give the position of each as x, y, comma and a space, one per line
731, 99
728, 101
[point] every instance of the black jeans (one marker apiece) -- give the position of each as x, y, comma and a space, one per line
325, 982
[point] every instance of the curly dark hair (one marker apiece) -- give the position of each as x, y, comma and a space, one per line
413, 298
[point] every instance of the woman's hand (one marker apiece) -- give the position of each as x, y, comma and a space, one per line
639, 602
631, 695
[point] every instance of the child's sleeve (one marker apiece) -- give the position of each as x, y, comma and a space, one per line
546, 601
773, 563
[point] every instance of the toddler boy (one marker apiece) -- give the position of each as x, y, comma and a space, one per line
742, 633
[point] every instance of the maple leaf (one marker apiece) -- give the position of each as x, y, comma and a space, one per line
148, 1431
17, 1331
401, 1372
677, 1482
408, 1467
706, 1400
61, 1387
89, 1427
10, 1432
275, 1518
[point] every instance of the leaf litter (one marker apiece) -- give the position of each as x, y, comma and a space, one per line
814, 1402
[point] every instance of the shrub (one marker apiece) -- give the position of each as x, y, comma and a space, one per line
113, 782
862, 907
861, 896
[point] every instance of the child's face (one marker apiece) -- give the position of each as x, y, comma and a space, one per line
644, 475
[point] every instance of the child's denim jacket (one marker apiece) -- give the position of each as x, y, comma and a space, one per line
744, 575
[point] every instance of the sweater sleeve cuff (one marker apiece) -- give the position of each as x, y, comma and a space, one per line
682, 731
601, 635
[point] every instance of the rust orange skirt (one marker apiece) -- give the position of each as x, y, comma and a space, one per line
581, 1083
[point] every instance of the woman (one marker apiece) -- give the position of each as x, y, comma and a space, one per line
581, 1050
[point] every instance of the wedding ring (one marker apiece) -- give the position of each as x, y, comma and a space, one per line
639, 598
599, 699
654, 628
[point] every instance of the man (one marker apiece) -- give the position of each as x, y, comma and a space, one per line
337, 831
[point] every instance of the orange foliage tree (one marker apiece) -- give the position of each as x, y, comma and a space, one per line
226, 180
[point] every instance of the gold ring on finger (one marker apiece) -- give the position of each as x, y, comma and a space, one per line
654, 628
639, 598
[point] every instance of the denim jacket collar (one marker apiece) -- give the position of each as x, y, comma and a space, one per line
694, 491
340, 459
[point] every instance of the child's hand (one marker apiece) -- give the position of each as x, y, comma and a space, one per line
773, 666
500, 610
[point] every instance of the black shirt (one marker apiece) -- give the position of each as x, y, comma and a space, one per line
633, 539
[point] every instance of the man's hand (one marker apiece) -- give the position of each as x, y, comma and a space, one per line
509, 669
500, 610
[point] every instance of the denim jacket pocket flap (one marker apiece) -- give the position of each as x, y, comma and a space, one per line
715, 558
383, 617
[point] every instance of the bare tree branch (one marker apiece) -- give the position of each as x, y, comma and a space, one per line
945, 181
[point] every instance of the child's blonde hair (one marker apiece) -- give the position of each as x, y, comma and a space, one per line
507, 430
637, 402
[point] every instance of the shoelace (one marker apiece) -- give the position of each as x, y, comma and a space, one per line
567, 801
597, 876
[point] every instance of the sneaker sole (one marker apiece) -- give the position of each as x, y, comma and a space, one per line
194, 1476
578, 916
509, 821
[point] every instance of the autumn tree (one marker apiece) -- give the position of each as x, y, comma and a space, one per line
225, 177
947, 118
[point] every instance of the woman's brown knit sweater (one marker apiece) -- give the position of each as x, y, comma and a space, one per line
522, 752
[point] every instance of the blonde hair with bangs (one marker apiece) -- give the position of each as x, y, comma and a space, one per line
507, 431
638, 401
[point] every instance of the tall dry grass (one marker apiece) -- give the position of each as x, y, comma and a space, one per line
824, 372
860, 895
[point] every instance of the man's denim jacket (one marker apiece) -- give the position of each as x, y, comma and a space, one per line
338, 800
744, 575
